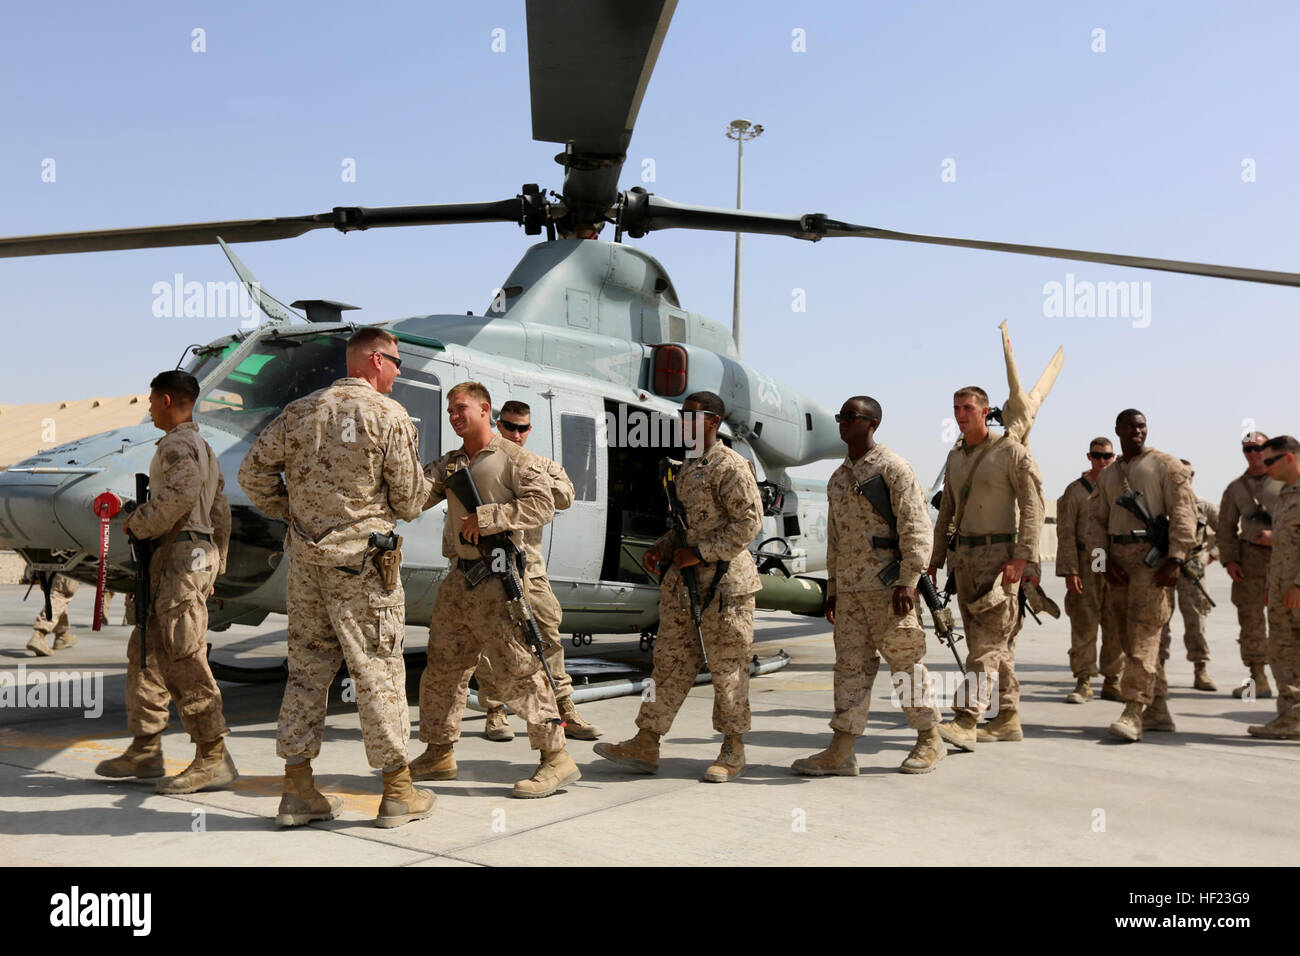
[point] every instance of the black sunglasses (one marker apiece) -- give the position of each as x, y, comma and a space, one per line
1270, 462
841, 418
392, 358
1247, 449
513, 427
1101, 455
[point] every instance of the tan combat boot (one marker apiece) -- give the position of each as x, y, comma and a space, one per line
1003, 728
836, 760
575, 728
1110, 690
402, 803
438, 762
300, 801
1129, 725
66, 639
37, 645
143, 759
960, 731
1258, 679
1283, 727
1082, 692
1201, 677
498, 727
210, 769
555, 770
1156, 716
929, 750
641, 753
730, 761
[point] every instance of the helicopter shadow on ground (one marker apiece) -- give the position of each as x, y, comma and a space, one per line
125, 818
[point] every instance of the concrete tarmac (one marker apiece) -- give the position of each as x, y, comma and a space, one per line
1067, 795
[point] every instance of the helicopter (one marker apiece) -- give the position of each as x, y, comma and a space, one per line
590, 333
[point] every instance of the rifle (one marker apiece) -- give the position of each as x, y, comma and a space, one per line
1022, 599
142, 553
677, 523
877, 495
1155, 530
502, 557
47, 584
1033, 598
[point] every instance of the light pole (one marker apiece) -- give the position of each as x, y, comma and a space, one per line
739, 130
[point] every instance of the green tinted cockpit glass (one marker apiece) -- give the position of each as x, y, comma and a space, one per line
208, 357
277, 371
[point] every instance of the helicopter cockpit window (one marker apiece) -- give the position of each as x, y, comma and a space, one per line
578, 454
277, 371
420, 394
208, 357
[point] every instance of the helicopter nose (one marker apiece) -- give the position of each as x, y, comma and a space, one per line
54, 512
46, 501
75, 513
27, 518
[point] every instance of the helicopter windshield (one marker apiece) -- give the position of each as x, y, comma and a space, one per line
276, 371
208, 357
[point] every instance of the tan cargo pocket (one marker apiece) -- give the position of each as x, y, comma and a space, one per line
187, 571
387, 626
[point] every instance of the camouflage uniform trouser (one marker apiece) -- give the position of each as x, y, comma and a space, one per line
1251, 598
1195, 609
61, 590
728, 627
1138, 613
991, 622
337, 617
865, 629
1284, 655
1084, 611
471, 628
547, 611
176, 645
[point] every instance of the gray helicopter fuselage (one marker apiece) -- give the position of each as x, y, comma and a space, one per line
573, 333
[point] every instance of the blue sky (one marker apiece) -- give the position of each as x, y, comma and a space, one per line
1137, 149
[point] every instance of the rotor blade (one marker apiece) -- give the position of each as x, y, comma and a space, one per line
646, 212
1266, 276
342, 218
150, 237
589, 62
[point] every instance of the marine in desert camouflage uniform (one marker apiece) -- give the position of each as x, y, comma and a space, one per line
717, 488
62, 588
188, 517
338, 466
1085, 588
471, 626
1192, 604
1140, 598
1245, 537
1281, 453
992, 513
514, 425
871, 618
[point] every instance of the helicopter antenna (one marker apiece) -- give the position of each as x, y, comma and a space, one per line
271, 307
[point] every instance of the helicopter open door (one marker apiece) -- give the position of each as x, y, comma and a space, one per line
576, 425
